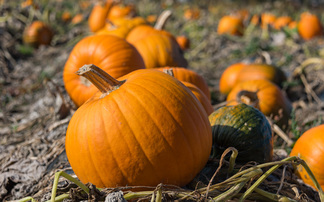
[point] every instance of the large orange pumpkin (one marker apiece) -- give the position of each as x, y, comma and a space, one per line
229, 76
230, 25
190, 76
38, 33
113, 54
309, 26
309, 147
263, 95
159, 50
145, 130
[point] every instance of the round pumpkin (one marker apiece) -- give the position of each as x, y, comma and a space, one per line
159, 50
244, 128
309, 26
263, 95
230, 25
229, 76
261, 71
121, 11
190, 76
37, 33
145, 130
113, 54
309, 147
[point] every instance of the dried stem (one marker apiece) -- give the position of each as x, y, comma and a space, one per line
160, 22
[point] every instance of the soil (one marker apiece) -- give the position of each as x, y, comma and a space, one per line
35, 108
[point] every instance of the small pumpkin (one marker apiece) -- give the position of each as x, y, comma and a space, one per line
255, 20
281, 21
121, 11
267, 19
229, 76
66, 16
309, 26
261, 71
77, 19
183, 42
113, 54
263, 95
98, 15
38, 33
191, 14
230, 25
148, 129
309, 147
244, 128
190, 76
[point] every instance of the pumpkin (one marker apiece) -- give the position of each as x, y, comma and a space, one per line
183, 42
263, 95
66, 16
190, 76
309, 26
37, 33
77, 19
244, 128
113, 54
261, 71
228, 77
230, 25
243, 14
145, 130
159, 50
292, 25
121, 11
98, 15
309, 147
267, 19
151, 18
282, 22
121, 26
191, 14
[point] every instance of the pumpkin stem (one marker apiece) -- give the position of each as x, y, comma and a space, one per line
169, 71
102, 80
160, 22
249, 98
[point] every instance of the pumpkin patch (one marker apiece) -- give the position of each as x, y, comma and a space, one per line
113, 100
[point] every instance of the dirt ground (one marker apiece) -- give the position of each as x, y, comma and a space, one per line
35, 108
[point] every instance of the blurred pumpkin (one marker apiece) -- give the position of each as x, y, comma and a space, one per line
77, 19
244, 128
255, 20
282, 21
183, 42
292, 25
263, 95
267, 19
230, 25
66, 16
309, 26
309, 147
121, 11
261, 71
160, 50
113, 54
121, 26
229, 76
151, 18
149, 129
191, 14
243, 14
98, 15
37, 33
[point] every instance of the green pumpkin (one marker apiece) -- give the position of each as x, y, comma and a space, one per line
244, 128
